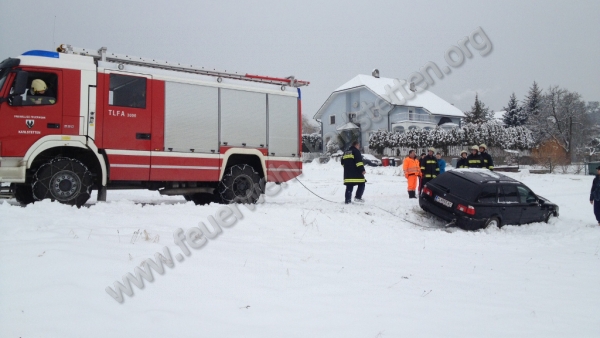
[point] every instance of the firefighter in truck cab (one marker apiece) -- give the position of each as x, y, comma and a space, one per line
40, 93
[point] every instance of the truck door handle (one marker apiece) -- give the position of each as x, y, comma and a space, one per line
54, 125
142, 136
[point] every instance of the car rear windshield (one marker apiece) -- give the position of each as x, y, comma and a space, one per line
457, 186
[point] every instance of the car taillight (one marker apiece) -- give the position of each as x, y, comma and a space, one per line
469, 210
427, 191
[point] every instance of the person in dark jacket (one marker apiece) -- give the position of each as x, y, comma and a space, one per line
429, 168
354, 173
462, 163
595, 195
486, 158
474, 160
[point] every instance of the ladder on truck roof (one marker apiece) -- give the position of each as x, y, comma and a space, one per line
102, 55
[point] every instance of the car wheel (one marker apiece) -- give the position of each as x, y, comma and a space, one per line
63, 179
492, 222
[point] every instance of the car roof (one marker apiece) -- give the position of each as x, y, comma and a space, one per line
482, 175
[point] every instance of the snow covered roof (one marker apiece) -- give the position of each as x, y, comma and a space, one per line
425, 99
347, 126
499, 115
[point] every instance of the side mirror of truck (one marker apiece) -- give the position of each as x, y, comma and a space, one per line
20, 84
15, 98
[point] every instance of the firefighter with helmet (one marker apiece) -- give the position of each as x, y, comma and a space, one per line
354, 173
462, 163
40, 93
474, 160
412, 172
429, 167
486, 158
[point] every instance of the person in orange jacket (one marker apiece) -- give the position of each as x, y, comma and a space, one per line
412, 172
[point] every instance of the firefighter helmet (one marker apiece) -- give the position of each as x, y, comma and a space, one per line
483, 146
463, 152
475, 148
38, 86
431, 149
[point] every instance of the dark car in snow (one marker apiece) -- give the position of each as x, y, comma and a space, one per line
478, 198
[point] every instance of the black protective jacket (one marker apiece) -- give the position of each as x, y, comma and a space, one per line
429, 167
474, 161
486, 160
462, 163
595, 193
353, 167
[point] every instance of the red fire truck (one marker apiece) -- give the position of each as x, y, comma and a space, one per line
78, 120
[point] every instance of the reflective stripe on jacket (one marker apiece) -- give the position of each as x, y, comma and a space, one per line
411, 166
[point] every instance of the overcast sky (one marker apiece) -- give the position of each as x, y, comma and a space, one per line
330, 42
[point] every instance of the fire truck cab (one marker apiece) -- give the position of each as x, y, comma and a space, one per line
78, 120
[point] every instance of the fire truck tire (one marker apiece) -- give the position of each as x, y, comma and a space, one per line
202, 198
63, 179
24, 193
238, 185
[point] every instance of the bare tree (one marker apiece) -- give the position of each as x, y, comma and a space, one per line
309, 126
564, 118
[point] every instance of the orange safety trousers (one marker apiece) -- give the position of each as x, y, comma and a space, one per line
413, 181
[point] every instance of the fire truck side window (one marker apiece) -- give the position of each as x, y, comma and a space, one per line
42, 89
127, 91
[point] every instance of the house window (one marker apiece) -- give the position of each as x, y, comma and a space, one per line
375, 112
412, 128
399, 129
351, 117
427, 128
332, 119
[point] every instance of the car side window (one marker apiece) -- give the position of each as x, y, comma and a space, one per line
127, 91
526, 195
509, 194
489, 194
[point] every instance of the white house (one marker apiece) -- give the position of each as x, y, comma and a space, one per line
362, 106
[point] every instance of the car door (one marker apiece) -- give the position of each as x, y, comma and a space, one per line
488, 201
531, 210
511, 207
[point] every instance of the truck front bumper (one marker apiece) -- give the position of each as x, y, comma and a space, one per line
12, 170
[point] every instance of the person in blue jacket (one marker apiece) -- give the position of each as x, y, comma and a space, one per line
441, 163
595, 195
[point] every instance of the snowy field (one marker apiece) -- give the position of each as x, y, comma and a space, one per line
298, 266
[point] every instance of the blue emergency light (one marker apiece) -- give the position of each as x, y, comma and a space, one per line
42, 53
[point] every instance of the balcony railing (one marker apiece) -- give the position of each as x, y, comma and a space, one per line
413, 117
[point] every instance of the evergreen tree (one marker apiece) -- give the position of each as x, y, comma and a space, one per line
514, 115
479, 113
533, 107
533, 101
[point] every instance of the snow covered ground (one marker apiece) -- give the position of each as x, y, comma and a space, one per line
298, 266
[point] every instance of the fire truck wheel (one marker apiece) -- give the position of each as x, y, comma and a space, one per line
238, 185
24, 193
63, 179
202, 198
